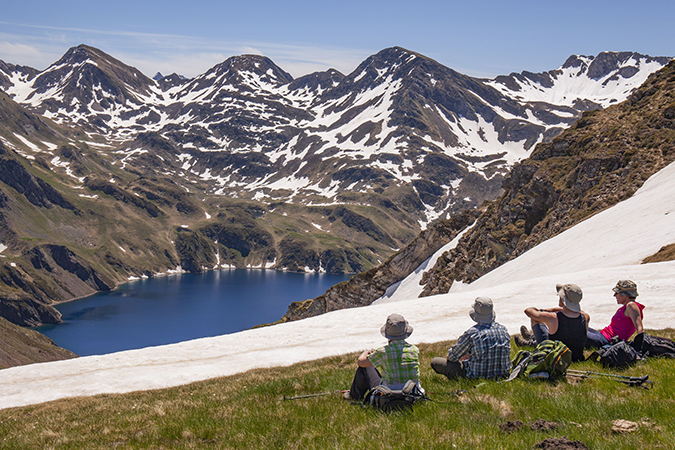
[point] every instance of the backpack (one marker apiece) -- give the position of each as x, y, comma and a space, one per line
385, 399
619, 355
549, 360
653, 346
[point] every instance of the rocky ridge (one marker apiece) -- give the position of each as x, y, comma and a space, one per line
604, 158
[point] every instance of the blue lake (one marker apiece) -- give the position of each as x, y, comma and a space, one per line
176, 308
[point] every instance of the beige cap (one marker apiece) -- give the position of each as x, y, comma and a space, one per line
571, 295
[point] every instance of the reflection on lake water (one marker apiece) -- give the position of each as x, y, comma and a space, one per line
175, 308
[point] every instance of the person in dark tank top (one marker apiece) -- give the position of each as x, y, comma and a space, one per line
566, 323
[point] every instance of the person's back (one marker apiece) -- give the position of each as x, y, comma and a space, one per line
572, 333
490, 352
566, 323
399, 362
482, 351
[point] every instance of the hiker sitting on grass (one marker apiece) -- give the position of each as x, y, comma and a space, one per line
566, 323
398, 361
483, 351
626, 321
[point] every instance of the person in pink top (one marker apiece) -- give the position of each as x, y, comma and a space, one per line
626, 321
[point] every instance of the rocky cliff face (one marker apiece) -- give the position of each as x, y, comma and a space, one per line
366, 287
604, 158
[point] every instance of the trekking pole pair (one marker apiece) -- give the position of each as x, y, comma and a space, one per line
311, 395
642, 382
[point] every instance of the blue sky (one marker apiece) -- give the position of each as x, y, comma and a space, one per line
477, 37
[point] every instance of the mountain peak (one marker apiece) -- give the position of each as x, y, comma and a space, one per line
80, 54
602, 65
259, 65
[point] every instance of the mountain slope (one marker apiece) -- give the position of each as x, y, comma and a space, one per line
108, 174
20, 346
603, 159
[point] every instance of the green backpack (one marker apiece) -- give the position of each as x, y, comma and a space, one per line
548, 360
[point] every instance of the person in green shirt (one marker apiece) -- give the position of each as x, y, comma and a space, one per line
391, 365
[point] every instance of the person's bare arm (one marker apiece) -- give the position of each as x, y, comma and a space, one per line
541, 315
633, 311
363, 360
547, 317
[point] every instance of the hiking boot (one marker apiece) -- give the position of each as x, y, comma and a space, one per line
520, 342
525, 333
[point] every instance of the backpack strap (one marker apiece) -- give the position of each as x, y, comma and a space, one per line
526, 357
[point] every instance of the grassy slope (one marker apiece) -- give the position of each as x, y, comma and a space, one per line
23, 346
248, 411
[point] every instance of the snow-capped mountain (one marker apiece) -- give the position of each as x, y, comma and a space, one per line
401, 128
603, 159
583, 82
107, 174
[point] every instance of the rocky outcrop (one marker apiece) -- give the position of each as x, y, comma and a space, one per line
366, 287
600, 161
120, 194
54, 272
36, 190
52, 257
24, 310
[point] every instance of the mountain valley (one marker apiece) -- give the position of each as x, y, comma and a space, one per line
106, 174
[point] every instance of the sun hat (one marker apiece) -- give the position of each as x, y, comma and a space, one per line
626, 287
482, 310
396, 328
571, 295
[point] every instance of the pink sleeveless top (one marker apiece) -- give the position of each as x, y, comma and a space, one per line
621, 325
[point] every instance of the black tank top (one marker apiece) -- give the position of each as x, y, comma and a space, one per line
572, 333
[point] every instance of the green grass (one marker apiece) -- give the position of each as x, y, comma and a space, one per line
248, 411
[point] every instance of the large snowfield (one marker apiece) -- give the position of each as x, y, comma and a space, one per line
594, 254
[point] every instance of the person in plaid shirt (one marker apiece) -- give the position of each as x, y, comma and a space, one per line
483, 351
392, 365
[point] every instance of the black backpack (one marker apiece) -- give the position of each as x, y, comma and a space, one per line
619, 355
387, 400
653, 346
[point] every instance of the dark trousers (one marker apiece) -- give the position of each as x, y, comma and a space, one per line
595, 339
540, 331
451, 369
365, 379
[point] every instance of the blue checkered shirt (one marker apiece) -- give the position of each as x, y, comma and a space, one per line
397, 362
489, 348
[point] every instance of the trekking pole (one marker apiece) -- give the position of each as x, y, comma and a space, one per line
320, 394
642, 382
